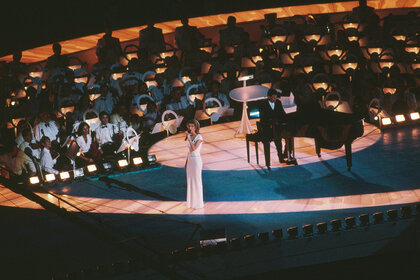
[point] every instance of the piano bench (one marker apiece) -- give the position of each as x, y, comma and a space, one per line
255, 137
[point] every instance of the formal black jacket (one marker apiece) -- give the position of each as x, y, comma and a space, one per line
268, 115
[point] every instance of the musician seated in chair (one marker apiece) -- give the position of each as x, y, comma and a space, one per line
272, 115
107, 135
84, 140
48, 160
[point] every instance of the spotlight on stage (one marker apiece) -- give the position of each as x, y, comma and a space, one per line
386, 121
212, 236
235, 243
78, 173
378, 217
415, 116
392, 215
137, 161
293, 232
249, 240
336, 225
364, 220
278, 233
49, 178
91, 168
65, 175
308, 230
151, 159
122, 163
406, 212
350, 222
322, 227
34, 180
263, 236
107, 166
399, 118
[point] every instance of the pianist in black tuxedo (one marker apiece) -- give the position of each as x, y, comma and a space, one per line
272, 115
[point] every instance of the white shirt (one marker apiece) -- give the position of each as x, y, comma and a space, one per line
19, 163
104, 133
271, 104
221, 96
19, 139
49, 129
84, 146
104, 104
119, 122
47, 162
36, 153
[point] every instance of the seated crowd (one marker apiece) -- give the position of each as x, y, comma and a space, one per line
120, 96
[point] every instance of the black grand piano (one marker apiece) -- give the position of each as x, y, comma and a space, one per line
330, 129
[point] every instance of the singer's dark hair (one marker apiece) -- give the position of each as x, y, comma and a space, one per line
196, 124
80, 128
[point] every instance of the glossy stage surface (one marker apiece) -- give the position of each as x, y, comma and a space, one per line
148, 207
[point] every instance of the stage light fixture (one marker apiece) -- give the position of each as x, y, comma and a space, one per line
278, 233
412, 49
386, 121
34, 180
308, 230
137, 161
364, 220
414, 116
249, 240
49, 177
79, 172
400, 37
399, 118
292, 232
235, 243
350, 222
322, 227
392, 215
378, 217
107, 166
406, 212
191, 252
65, 175
151, 159
335, 53
263, 236
122, 163
91, 168
349, 25
389, 90
336, 224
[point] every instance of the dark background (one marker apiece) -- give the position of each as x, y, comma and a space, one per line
28, 24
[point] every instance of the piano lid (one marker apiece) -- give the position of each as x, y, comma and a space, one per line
250, 93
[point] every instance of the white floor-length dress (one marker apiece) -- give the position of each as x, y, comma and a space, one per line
194, 182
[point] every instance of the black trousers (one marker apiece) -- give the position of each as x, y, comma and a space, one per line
279, 148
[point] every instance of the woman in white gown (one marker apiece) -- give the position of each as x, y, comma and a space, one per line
193, 166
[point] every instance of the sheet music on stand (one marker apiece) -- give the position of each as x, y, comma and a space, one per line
159, 126
73, 150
